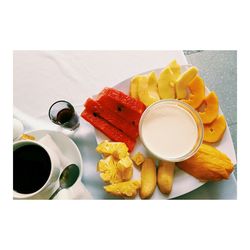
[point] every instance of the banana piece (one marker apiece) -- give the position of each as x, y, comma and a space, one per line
148, 178
165, 176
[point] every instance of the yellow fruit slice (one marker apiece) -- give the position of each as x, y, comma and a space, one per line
153, 86
213, 132
165, 176
138, 158
109, 171
148, 178
126, 189
166, 84
212, 108
143, 91
118, 149
27, 137
176, 68
134, 87
208, 164
197, 92
183, 81
125, 167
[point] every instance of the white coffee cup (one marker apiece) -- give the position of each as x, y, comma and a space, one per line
53, 176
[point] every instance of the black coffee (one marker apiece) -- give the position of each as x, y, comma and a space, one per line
31, 169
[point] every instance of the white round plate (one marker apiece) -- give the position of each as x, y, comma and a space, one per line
183, 182
67, 147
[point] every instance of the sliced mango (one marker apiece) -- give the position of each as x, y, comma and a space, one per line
213, 132
208, 164
211, 110
182, 82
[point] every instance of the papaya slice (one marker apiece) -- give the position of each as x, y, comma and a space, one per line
214, 131
197, 92
211, 110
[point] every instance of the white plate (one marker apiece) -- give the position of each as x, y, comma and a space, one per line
183, 182
67, 147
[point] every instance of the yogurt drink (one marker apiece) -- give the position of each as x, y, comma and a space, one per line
169, 130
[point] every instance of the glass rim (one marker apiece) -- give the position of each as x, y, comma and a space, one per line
53, 104
197, 119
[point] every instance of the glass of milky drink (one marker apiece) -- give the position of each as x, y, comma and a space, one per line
171, 130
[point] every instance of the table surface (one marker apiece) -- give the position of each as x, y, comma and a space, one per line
42, 77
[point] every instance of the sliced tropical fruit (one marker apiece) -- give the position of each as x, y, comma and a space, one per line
133, 91
109, 130
212, 108
153, 86
197, 92
213, 132
208, 164
182, 82
127, 189
176, 68
123, 105
143, 91
125, 125
166, 84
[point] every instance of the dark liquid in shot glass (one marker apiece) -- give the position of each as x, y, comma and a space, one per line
67, 118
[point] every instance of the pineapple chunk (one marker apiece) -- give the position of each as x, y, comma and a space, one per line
109, 171
114, 171
138, 158
125, 167
117, 149
126, 189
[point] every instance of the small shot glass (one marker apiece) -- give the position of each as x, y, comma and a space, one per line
63, 114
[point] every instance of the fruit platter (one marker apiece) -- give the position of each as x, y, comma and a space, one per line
161, 134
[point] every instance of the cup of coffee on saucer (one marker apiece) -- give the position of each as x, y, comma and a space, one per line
36, 169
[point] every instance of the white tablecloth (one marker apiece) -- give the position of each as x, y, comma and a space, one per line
43, 77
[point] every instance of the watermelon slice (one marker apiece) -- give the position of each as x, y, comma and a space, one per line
123, 105
114, 119
109, 130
